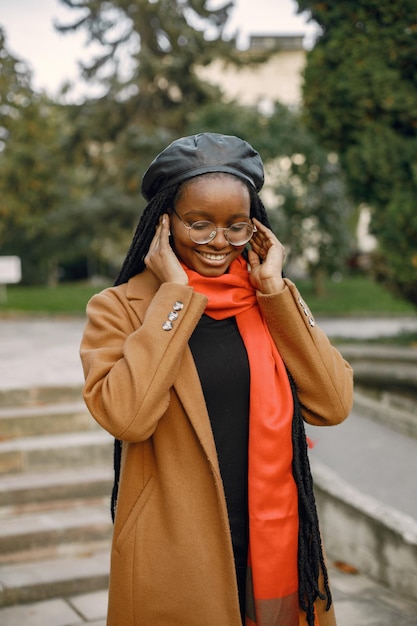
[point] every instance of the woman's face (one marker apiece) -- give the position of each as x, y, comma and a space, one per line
221, 199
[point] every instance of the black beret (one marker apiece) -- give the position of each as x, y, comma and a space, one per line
199, 154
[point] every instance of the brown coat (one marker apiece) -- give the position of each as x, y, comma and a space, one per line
172, 560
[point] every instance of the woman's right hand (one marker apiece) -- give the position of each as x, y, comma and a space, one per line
161, 258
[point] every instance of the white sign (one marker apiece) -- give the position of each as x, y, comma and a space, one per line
10, 270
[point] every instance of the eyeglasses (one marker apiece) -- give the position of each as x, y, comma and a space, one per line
204, 231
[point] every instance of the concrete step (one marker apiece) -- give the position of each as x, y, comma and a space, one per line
56, 475
359, 601
383, 367
79, 482
33, 395
385, 410
51, 452
364, 473
35, 581
367, 534
49, 419
90, 608
47, 525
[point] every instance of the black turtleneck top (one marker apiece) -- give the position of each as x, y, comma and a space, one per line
223, 367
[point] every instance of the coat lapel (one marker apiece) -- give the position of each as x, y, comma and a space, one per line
187, 385
188, 388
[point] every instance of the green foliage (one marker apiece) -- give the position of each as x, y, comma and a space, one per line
70, 174
312, 207
397, 228
146, 64
35, 182
360, 92
150, 51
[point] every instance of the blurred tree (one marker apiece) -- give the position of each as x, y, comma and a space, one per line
360, 94
33, 179
71, 173
312, 205
148, 53
305, 192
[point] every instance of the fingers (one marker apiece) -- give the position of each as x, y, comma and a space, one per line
264, 241
253, 258
163, 225
161, 259
161, 232
263, 233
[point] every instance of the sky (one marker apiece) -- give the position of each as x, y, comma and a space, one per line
53, 57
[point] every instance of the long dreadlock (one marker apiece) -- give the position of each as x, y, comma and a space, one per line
310, 552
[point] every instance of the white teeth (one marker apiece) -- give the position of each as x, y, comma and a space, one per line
213, 257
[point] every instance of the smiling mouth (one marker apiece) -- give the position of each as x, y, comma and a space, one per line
212, 257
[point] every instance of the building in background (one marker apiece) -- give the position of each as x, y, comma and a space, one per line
278, 79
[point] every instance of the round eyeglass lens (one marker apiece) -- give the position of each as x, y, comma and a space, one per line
239, 234
202, 232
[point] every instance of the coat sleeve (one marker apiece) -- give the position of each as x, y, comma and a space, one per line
129, 366
324, 380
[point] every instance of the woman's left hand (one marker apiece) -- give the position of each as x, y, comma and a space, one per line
266, 259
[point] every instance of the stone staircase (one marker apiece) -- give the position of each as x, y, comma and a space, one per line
55, 480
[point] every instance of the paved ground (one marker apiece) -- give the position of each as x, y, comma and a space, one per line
45, 352
368, 328
40, 352
380, 462
358, 602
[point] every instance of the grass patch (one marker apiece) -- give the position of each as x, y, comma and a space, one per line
67, 299
357, 297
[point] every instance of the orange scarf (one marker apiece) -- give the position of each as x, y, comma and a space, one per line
272, 598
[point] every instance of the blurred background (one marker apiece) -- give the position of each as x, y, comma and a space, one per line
91, 91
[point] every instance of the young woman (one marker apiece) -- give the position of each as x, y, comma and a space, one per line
203, 362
